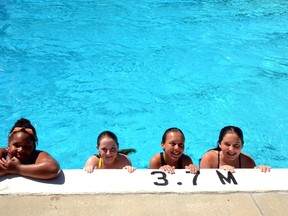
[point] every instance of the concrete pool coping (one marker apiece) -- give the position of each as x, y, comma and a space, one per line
268, 196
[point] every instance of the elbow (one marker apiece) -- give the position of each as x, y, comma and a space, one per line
54, 171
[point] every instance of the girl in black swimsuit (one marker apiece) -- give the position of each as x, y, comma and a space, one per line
227, 155
172, 158
21, 156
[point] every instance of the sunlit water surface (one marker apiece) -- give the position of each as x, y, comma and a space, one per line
76, 68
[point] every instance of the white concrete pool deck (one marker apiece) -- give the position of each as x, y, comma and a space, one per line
114, 192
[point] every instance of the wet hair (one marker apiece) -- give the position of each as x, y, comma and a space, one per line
25, 123
173, 129
114, 137
229, 129
107, 134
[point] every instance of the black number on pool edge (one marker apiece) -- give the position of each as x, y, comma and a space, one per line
163, 178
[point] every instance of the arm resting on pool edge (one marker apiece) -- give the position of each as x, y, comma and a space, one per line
3, 154
45, 167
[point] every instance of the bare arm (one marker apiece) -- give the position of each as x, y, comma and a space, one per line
155, 162
248, 162
91, 164
186, 160
45, 167
2, 169
3, 154
208, 160
125, 163
188, 164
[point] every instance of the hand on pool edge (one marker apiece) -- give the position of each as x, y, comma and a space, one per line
167, 168
193, 168
228, 168
130, 169
263, 168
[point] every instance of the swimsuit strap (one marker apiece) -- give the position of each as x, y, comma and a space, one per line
163, 162
218, 160
33, 157
240, 160
100, 162
180, 162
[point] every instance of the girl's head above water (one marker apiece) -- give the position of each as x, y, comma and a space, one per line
169, 130
230, 129
25, 126
107, 134
112, 138
173, 144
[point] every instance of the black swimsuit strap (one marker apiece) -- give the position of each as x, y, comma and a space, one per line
163, 162
180, 162
32, 159
218, 159
240, 160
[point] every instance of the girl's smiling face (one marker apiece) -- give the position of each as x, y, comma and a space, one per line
231, 146
108, 149
21, 146
174, 145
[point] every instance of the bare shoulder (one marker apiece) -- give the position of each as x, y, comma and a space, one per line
212, 154
123, 160
92, 161
48, 163
44, 157
247, 161
209, 159
186, 160
123, 157
155, 162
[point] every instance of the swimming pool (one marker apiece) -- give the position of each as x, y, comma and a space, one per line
80, 67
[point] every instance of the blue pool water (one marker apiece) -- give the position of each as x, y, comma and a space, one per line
76, 68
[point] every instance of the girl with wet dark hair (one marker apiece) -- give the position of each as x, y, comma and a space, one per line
21, 156
227, 155
172, 158
109, 156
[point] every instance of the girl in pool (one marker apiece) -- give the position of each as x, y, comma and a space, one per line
227, 155
109, 157
172, 158
21, 156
